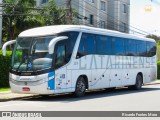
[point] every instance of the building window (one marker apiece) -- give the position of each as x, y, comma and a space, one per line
44, 1
124, 8
103, 5
91, 19
124, 27
102, 24
91, 1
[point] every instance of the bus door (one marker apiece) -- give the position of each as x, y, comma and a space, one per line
59, 65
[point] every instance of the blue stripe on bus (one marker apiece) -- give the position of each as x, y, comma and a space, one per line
51, 74
51, 83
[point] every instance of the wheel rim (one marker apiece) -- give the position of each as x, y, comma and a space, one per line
81, 86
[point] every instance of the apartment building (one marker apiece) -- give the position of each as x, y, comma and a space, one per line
107, 14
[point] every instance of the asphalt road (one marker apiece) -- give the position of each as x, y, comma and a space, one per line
147, 99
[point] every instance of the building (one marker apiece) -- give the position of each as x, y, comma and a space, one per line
107, 14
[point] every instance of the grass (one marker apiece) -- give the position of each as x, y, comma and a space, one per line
4, 89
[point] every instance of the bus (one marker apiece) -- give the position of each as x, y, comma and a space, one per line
74, 58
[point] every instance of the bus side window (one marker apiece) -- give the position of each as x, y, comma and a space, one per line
130, 47
87, 45
103, 45
60, 55
141, 48
151, 49
118, 46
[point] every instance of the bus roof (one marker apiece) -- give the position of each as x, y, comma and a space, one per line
52, 30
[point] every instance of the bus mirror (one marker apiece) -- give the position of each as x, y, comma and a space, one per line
54, 41
5, 45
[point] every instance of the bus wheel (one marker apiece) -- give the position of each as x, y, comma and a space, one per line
80, 87
139, 82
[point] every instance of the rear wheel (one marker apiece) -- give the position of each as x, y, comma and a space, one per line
139, 82
80, 87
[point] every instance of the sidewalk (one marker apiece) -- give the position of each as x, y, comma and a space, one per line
7, 96
153, 83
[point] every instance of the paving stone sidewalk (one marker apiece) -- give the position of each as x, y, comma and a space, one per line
7, 96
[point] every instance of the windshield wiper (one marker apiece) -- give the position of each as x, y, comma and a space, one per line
23, 61
19, 66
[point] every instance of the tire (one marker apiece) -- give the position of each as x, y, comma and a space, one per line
80, 87
139, 82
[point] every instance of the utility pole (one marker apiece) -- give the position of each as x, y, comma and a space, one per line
68, 12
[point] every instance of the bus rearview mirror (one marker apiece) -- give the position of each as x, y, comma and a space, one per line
53, 43
5, 46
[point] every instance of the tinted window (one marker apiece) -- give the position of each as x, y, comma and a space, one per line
72, 37
118, 46
60, 54
103, 45
87, 45
130, 47
151, 49
141, 48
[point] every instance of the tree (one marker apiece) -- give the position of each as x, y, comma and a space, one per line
157, 38
53, 15
19, 15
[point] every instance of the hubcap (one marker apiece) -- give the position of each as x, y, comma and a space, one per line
80, 86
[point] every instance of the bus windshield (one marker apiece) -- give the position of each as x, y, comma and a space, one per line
31, 54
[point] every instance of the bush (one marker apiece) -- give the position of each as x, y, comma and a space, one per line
5, 62
158, 68
158, 51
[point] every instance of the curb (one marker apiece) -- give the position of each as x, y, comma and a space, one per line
5, 92
16, 98
153, 83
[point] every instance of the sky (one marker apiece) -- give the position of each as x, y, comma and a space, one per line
145, 15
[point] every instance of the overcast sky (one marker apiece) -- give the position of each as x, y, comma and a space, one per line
145, 15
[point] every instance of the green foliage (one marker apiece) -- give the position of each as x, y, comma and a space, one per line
158, 51
53, 15
4, 89
158, 72
157, 38
4, 69
18, 17
24, 14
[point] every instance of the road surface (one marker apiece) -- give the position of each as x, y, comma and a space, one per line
147, 99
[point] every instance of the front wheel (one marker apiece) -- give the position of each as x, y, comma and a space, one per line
80, 87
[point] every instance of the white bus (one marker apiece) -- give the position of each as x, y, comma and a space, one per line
73, 59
